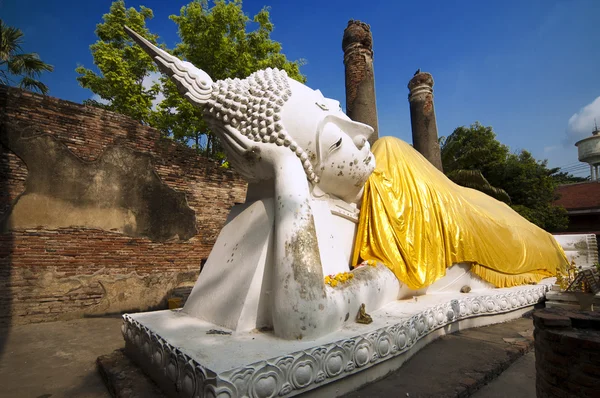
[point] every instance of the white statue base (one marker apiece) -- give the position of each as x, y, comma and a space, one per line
190, 357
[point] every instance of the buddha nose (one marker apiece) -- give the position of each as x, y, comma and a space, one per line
360, 141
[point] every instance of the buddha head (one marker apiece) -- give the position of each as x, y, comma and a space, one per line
270, 107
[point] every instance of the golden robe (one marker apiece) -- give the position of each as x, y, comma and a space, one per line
417, 222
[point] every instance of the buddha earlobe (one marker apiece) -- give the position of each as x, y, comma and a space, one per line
317, 192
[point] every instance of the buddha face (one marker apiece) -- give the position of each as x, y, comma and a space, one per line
336, 146
345, 159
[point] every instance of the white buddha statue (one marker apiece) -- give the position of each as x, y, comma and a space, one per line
303, 156
274, 263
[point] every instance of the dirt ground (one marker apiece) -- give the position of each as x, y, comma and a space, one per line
57, 359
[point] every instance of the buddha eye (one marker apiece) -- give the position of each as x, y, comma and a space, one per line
336, 145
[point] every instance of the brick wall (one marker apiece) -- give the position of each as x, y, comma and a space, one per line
49, 274
567, 353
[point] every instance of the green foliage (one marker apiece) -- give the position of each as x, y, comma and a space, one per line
217, 40
527, 180
469, 154
562, 178
532, 189
16, 64
473, 157
122, 65
473, 148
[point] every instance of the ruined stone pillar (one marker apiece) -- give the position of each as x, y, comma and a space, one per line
422, 117
360, 80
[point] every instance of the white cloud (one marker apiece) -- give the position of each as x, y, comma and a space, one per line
581, 123
99, 99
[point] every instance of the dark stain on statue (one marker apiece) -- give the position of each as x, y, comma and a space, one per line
252, 155
364, 274
118, 191
303, 249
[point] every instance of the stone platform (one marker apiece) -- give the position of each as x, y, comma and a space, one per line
193, 358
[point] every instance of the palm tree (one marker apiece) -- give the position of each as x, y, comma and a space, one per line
14, 63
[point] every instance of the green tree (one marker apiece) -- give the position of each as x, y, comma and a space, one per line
470, 154
473, 157
15, 64
532, 188
217, 40
562, 177
123, 66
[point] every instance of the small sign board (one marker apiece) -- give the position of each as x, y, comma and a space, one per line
590, 277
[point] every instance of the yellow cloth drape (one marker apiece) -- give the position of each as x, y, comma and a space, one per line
417, 222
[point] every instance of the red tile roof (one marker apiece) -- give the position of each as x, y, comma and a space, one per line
579, 196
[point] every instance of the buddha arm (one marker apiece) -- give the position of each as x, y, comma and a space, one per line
299, 306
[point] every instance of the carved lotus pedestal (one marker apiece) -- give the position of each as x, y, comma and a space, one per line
189, 357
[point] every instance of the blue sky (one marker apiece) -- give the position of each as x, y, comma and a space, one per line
530, 68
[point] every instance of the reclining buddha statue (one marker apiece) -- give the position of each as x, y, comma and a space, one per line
329, 226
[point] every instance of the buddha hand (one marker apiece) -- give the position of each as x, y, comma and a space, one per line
258, 160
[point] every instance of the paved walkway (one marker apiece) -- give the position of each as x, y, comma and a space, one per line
58, 360
460, 364
518, 381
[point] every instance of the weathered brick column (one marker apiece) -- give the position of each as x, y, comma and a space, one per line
567, 353
422, 117
360, 79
